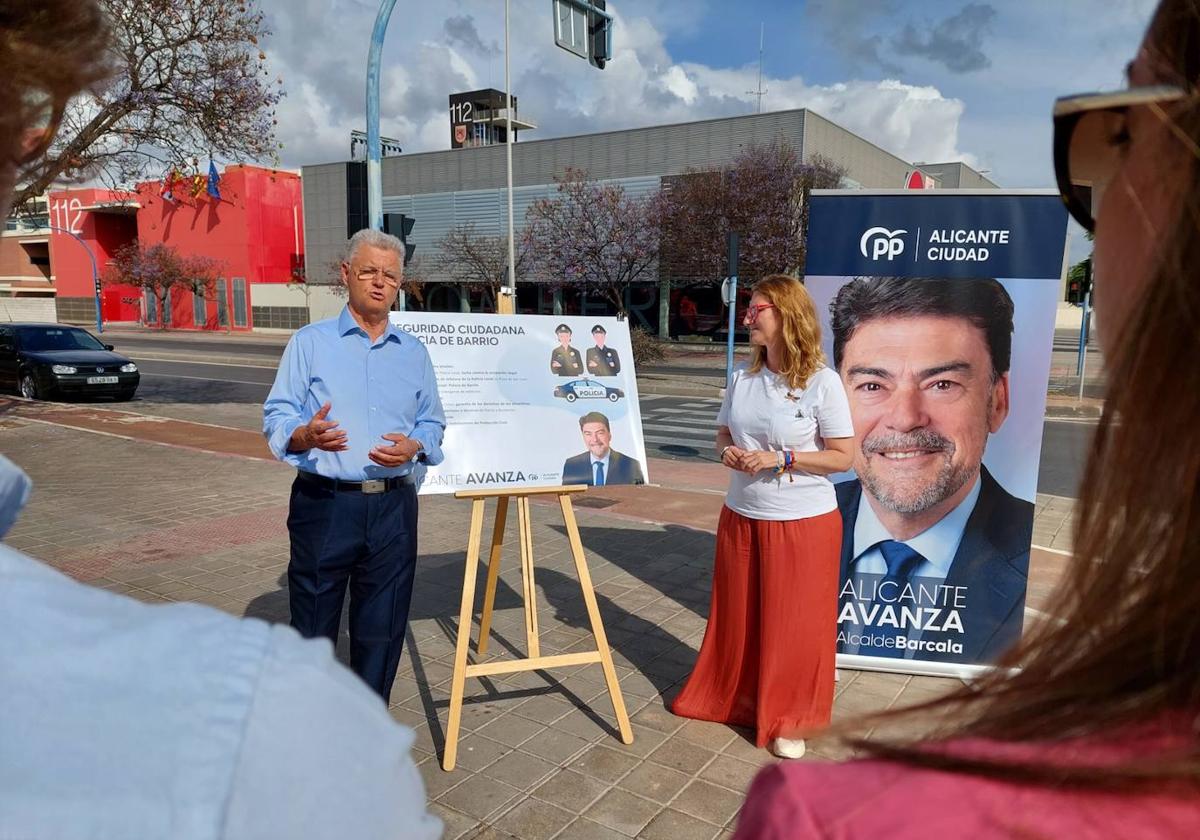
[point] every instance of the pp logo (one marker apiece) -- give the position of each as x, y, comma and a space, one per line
882, 242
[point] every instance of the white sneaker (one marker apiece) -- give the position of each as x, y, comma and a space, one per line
788, 747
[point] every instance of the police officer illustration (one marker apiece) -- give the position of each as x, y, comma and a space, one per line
601, 360
565, 359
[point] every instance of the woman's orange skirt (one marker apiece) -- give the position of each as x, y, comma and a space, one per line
767, 660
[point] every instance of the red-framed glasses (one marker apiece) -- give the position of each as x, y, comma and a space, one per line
752, 312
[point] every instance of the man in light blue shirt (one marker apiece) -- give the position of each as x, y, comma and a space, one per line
355, 408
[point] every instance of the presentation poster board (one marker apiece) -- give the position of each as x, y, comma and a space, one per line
532, 400
938, 311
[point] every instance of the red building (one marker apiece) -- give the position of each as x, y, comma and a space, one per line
255, 230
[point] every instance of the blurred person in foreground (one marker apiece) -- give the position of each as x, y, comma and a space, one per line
1089, 728
124, 720
767, 658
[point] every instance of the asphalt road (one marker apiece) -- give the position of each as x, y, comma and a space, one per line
674, 427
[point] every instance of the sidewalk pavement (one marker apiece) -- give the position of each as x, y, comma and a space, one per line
167, 510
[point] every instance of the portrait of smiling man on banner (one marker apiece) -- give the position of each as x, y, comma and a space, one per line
935, 553
600, 464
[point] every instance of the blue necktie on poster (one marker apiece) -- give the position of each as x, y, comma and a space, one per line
901, 561
599, 473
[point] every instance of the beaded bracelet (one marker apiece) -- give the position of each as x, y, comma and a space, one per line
785, 460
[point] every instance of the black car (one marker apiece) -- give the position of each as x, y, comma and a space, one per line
43, 361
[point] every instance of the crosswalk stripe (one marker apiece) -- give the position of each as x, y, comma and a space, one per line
703, 446
703, 431
713, 410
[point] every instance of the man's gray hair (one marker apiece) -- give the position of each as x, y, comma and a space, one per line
375, 239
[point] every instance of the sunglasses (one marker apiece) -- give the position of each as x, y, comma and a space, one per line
1090, 133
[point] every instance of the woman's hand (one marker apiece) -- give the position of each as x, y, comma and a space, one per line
754, 461
731, 457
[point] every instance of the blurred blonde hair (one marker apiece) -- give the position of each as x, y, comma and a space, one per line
1120, 654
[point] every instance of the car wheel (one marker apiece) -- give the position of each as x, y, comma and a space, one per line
571, 398
614, 396
30, 389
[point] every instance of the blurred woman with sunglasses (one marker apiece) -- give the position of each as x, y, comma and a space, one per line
767, 659
1090, 727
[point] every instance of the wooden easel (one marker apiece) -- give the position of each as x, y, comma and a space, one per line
534, 661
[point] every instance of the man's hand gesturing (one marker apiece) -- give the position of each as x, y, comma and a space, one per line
401, 450
319, 433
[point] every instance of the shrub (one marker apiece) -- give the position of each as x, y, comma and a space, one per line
647, 349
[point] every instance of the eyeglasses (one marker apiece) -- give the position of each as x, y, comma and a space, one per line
368, 275
752, 312
1090, 134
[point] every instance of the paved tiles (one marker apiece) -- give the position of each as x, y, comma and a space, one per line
538, 754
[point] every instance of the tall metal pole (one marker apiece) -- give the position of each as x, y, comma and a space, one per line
1083, 340
508, 294
374, 167
762, 27
95, 272
733, 271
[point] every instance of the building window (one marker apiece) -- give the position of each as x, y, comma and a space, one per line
199, 309
222, 302
239, 301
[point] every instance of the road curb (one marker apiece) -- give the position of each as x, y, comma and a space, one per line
667, 388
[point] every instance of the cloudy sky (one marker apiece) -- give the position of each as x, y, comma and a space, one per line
930, 80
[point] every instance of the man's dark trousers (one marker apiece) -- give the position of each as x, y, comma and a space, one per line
366, 540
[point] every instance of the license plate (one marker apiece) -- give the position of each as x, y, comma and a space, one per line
102, 380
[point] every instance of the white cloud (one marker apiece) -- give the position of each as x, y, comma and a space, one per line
320, 50
676, 82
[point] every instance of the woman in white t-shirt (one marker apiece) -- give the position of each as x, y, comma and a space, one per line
767, 661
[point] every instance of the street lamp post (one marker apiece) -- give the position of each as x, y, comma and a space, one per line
508, 293
95, 272
374, 152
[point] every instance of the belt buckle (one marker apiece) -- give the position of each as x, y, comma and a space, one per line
374, 485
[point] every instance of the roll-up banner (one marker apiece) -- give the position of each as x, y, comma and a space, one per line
532, 400
938, 312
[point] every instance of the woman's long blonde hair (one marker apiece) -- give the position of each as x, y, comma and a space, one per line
800, 348
1123, 648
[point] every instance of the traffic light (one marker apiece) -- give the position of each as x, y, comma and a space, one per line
400, 226
1079, 281
599, 40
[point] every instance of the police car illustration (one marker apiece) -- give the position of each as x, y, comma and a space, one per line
587, 389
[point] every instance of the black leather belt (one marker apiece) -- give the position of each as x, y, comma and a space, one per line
374, 485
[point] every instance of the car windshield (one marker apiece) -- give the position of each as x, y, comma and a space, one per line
57, 338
